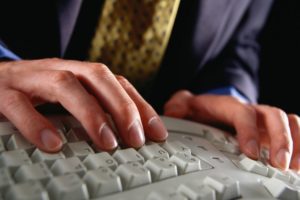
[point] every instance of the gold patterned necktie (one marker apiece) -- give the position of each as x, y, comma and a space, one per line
132, 36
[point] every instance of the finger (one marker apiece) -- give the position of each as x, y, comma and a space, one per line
276, 125
178, 105
294, 122
226, 110
112, 97
153, 126
35, 128
63, 87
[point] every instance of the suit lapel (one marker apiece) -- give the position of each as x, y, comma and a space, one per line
213, 31
68, 11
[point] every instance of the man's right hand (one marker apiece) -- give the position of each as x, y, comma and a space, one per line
87, 90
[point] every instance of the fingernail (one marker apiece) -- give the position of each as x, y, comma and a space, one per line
282, 159
107, 137
50, 140
136, 134
252, 149
157, 129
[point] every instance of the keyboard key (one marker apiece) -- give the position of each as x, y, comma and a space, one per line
102, 181
153, 151
32, 190
227, 147
67, 166
14, 159
280, 189
95, 161
161, 168
197, 191
174, 147
226, 187
48, 158
2, 147
62, 136
37, 171
253, 166
77, 149
5, 179
276, 173
166, 194
128, 155
67, 187
17, 141
186, 163
6, 130
294, 177
57, 122
133, 174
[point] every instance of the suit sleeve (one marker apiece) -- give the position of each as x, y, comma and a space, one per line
6, 54
237, 64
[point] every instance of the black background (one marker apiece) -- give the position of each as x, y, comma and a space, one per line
280, 63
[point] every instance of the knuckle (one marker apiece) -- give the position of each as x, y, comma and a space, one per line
295, 118
99, 70
124, 82
127, 107
95, 68
278, 111
61, 78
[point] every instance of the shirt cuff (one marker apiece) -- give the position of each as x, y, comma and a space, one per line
7, 54
229, 90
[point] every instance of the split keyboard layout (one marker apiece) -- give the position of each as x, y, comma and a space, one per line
196, 162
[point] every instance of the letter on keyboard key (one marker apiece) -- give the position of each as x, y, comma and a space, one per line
174, 147
102, 181
133, 175
67, 187
153, 151
225, 186
161, 168
32, 190
95, 161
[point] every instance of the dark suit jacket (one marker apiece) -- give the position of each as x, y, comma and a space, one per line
213, 43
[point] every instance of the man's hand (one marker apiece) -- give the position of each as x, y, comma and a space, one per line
87, 91
256, 125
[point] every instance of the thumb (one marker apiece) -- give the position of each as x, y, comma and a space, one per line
178, 104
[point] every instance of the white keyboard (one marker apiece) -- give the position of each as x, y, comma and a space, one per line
196, 162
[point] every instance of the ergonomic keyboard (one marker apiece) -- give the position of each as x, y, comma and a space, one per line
195, 162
